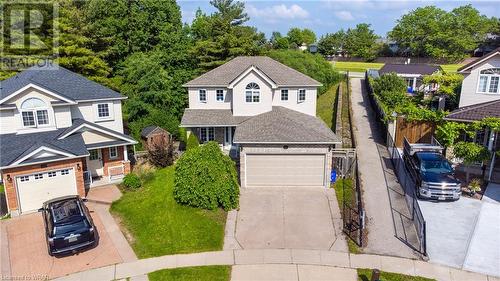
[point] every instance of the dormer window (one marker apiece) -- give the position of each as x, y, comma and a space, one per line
34, 113
489, 80
252, 93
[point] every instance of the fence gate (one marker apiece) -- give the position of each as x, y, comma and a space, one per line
344, 163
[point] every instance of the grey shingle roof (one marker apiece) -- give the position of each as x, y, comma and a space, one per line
59, 80
476, 112
422, 69
210, 117
486, 56
15, 146
283, 125
279, 73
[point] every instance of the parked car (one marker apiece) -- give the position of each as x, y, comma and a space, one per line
68, 225
432, 172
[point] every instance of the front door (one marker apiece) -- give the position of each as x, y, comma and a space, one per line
228, 137
94, 163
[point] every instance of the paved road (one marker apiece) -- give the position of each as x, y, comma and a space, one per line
390, 232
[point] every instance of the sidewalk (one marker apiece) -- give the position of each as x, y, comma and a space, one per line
249, 263
390, 231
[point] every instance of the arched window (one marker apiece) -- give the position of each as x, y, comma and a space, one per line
34, 113
252, 93
489, 80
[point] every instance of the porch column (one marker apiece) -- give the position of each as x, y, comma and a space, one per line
414, 83
125, 154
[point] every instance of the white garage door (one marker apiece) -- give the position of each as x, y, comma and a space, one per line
37, 188
285, 170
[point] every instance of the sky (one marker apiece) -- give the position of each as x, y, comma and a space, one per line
327, 16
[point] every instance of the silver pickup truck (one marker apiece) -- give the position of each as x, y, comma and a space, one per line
432, 172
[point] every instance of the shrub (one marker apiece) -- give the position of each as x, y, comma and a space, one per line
145, 171
161, 154
206, 178
471, 152
132, 181
192, 142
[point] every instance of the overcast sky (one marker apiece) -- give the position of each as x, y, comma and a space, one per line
324, 16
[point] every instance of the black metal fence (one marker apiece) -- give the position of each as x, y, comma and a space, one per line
409, 187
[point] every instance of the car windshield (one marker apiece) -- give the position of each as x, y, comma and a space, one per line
67, 228
65, 211
436, 166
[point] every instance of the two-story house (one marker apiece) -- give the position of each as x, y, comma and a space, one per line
60, 133
263, 113
480, 98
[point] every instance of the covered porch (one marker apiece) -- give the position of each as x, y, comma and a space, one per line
222, 135
105, 165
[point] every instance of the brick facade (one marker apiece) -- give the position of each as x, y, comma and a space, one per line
10, 185
118, 161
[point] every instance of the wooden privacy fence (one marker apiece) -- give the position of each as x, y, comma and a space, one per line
414, 131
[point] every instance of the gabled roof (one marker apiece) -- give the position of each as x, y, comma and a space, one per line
58, 80
421, 69
277, 72
283, 125
79, 124
15, 147
471, 64
475, 112
150, 129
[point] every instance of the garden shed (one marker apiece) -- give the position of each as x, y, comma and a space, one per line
152, 135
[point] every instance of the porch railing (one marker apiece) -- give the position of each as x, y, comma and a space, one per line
116, 172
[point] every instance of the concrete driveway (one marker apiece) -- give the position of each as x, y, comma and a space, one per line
26, 250
277, 218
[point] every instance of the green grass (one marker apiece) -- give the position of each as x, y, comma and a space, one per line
355, 66
2, 189
325, 106
156, 225
201, 273
365, 275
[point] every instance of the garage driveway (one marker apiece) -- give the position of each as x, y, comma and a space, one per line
27, 249
277, 218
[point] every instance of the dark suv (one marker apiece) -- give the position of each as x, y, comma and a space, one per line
68, 225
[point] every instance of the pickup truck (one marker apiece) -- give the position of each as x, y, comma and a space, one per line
431, 171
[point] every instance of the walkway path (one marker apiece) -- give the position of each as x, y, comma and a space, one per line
249, 263
390, 232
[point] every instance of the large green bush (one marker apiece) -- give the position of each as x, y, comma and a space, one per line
192, 142
311, 65
206, 178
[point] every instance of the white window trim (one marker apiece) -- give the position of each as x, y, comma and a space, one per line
254, 93
116, 151
298, 95
110, 110
223, 95
206, 95
207, 134
488, 81
35, 117
287, 95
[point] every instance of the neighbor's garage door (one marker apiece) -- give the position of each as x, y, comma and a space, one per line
37, 188
285, 170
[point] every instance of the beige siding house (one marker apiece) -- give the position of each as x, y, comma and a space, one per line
60, 134
263, 114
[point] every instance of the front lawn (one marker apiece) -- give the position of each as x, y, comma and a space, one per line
365, 274
2, 189
326, 106
156, 225
199, 273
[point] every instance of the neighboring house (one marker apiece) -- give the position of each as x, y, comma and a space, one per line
263, 113
480, 98
60, 133
413, 75
154, 135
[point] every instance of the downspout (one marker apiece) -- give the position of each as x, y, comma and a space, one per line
491, 142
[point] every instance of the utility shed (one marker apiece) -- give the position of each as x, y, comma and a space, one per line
152, 135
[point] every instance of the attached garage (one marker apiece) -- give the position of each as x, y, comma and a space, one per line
285, 170
34, 189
